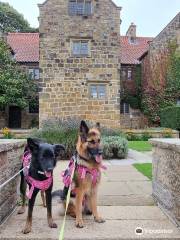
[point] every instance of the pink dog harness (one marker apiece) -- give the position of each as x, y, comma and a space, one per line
41, 185
82, 171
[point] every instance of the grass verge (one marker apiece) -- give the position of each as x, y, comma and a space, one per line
145, 169
141, 146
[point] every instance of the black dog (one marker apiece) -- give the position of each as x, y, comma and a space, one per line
43, 161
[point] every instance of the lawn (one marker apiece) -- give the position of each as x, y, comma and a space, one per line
142, 146
145, 169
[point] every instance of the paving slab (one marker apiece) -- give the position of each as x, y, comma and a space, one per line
125, 202
117, 226
139, 156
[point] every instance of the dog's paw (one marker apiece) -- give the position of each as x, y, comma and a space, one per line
53, 225
21, 210
88, 212
26, 230
79, 223
99, 220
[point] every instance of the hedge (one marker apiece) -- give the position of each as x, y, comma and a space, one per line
170, 117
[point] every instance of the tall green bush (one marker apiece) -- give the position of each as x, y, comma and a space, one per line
170, 117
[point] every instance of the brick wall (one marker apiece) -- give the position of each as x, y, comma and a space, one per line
10, 163
65, 80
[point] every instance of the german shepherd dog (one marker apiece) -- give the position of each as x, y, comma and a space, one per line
43, 161
88, 158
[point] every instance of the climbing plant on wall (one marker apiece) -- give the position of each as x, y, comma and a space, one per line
134, 99
163, 89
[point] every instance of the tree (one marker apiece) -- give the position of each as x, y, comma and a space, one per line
15, 86
12, 21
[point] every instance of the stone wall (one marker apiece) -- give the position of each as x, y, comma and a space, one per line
169, 33
65, 79
166, 177
155, 63
10, 163
133, 120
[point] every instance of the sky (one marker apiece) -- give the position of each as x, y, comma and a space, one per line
149, 16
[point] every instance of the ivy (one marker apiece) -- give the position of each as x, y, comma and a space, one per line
134, 100
164, 88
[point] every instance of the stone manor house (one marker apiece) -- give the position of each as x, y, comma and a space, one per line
81, 64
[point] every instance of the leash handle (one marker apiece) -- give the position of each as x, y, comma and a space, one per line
61, 235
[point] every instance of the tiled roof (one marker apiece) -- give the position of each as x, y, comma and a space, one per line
131, 52
25, 46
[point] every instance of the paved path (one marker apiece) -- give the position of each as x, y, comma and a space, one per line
125, 202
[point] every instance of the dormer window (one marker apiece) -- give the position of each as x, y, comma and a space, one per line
80, 7
132, 40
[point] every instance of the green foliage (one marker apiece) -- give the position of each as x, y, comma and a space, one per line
66, 132
15, 86
154, 100
170, 117
12, 21
134, 100
145, 169
7, 134
62, 132
141, 146
132, 136
114, 147
145, 136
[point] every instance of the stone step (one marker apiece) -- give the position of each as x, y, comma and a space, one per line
121, 223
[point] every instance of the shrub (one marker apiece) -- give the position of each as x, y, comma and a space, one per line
170, 117
7, 133
63, 132
66, 132
131, 136
145, 136
114, 147
167, 133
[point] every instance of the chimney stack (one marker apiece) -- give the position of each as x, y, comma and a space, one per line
131, 32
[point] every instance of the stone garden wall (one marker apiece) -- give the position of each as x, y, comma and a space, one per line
10, 163
166, 175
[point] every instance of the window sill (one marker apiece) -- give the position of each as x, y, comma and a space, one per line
81, 56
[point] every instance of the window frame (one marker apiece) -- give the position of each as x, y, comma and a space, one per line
98, 85
123, 106
83, 13
33, 76
125, 74
80, 54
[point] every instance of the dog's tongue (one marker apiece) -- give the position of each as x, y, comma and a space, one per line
48, 174
98, 158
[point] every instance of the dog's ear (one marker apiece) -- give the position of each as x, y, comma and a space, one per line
58, 148
84, 128
33, 144
98, 126
83, 131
